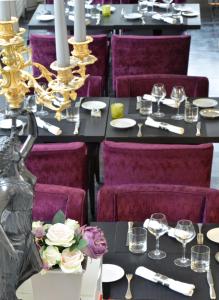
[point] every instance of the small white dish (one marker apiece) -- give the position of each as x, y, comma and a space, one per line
111, 273
210, 113
123, 123
188, 13
45, 18
132, 16
205, 102
7, 123
112, 8
213, 235
90, 105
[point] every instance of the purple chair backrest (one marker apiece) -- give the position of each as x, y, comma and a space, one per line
49, 199
136, 55
134, 85
126, 163
137, 202
61, 163
211, 214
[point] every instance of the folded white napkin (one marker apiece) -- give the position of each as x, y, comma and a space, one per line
177, 286
51, 128
170, 230
165, 19
152, 123
166, 101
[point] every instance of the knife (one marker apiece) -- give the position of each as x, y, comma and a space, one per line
198, 129
211, 285
77, 124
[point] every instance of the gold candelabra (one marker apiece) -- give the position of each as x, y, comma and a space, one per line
16, 81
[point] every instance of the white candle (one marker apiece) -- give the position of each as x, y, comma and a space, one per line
13, 10
5, 12
62, 49
79, 21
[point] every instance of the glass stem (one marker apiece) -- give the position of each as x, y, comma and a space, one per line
157, 251
184, 252
158, 106
177, 111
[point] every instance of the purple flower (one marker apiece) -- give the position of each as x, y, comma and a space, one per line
38, 232
96, 242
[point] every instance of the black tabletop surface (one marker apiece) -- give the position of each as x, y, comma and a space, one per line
92, 129
116, 21
146, 290
209, 127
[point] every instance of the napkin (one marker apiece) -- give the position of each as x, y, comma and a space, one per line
51, 128
170, 230
177, 286
152, 123
165, 19
166, 101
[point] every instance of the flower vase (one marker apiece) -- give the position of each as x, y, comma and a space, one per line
56, 285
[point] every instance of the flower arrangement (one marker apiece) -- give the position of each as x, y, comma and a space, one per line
64, 244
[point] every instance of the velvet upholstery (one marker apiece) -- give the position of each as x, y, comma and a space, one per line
44, 52
137, 55
137, 202
135, 85
211, 214
49, 199
60, 164
126, 163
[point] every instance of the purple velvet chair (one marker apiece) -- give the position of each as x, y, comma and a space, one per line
137, 202
134, 85
211, 214
60, 164
51, 198
126, 163
137, 55
44, 52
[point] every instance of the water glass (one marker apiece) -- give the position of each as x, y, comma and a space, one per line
106, 10
72, 113
117, 110
145, 107
30, 103
178, 95
190, 113
137, 240
200, 258
95, 12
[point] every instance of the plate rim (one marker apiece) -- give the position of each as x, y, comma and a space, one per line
133, 13
216, 228
134, 123
212, 105
52, 17
118, 267
192, 14
210, 117
21, 122
93, 101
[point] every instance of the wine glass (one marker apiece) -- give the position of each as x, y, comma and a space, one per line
142, 8
168, 2
184, 233
157, 226
159, 93
41, 112
178, 95
152, 7
88, 7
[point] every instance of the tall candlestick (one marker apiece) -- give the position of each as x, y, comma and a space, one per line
5, 12
13, 10
79, 21
62, 48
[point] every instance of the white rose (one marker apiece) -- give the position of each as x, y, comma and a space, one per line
60, 235
51, 256
37, 224
46, 226
71, 261
72, 224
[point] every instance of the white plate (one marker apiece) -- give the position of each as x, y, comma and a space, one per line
7, 123
132, 16
45, 18
205, 102
123, 123
93, 105
112, 8
111, 273
87, 6
209, 113
188, 13
213, 235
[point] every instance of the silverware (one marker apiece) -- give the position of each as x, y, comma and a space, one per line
130, 225
211, 285
142, 20
128, 294
139, 134
200, 236
217, 256
198, 129
77, 123
98, 20
21, 132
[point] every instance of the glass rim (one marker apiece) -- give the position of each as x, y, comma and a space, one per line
207, 248
143, 229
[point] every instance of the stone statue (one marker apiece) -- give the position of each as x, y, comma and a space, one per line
19, 257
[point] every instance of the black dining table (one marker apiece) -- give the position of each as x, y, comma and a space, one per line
116, 21
142, 289
209, 127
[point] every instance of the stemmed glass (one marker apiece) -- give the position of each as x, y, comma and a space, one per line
184, 233
142, 8
168, 2
157, 226
178, 95
152, 6
41, 112
88, 7
159, 93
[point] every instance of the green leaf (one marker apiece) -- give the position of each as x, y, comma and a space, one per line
82, 244
59, 217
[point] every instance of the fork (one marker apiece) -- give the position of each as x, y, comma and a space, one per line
200, 236
142, 20
139, 134
128, 294
198, 129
